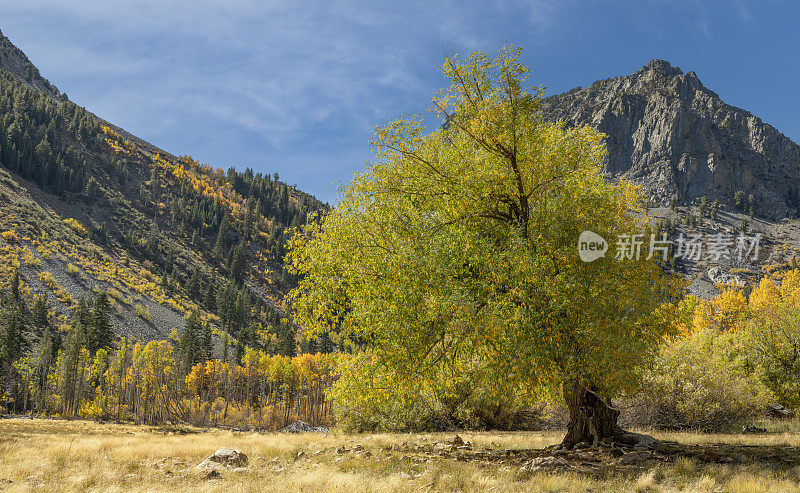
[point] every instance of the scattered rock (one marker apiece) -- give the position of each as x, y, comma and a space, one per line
239, 470
634, 458
455, 441
303, 427
617, 452
778, 411
342, 450
226, 457
548, 463
753, 429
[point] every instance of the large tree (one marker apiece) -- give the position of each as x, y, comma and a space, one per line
462, 242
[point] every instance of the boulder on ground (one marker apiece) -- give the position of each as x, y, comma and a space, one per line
455, 440
546, 463
753, 429
225, 457
778, 411
303, 427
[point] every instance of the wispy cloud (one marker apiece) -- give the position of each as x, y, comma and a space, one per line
272, 69
297, 86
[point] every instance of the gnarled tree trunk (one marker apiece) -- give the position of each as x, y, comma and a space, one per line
592, 420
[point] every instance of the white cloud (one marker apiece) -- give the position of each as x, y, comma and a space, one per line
170, 69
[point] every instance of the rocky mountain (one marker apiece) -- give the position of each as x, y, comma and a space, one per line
679, 140
89, 210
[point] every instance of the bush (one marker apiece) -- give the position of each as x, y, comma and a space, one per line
10, 236
369, 397
142, 312
76, 226
699, 382
74, 271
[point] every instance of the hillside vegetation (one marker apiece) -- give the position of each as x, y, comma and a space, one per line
90, 209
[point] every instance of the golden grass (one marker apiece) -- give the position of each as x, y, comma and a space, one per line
57, 455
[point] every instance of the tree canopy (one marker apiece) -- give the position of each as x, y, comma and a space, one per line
461, 243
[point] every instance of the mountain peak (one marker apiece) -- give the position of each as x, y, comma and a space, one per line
680, 141
661, 67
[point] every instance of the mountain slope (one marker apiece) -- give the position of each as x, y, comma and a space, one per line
14, 61
678, 139
89, 208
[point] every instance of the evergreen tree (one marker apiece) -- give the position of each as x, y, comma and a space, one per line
223, 236
41, 312
190, 344
210, 298
193, 286
13, 340
288, 345
238, 265
15, 282
102, 330
92, 191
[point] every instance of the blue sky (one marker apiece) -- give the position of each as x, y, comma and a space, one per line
296, 87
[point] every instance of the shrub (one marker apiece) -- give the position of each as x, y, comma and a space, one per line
74, 271
701, 382
76, 226
367, 397
10, 236
142, 312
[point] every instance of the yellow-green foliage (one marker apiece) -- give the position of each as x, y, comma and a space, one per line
770, 329
62, 295
99, 265
143, 312
74, 271
701, 381
368, 397
462, 242
737, 354
185, 171
149, 383
115, 294
76, 226
10, 236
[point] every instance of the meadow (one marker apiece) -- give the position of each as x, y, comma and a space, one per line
61, 455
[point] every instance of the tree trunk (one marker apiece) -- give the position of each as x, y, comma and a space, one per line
592, 420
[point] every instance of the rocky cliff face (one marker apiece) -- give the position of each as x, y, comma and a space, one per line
679, 140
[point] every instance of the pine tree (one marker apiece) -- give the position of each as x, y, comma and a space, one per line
190, 343
13, 341
238, 266
223, 237
41, 312
103, 330
15, 282
288, 346
92, 191
193, 286
207, 342
210, 298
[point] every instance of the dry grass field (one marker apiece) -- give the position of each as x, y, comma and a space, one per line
56, 455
